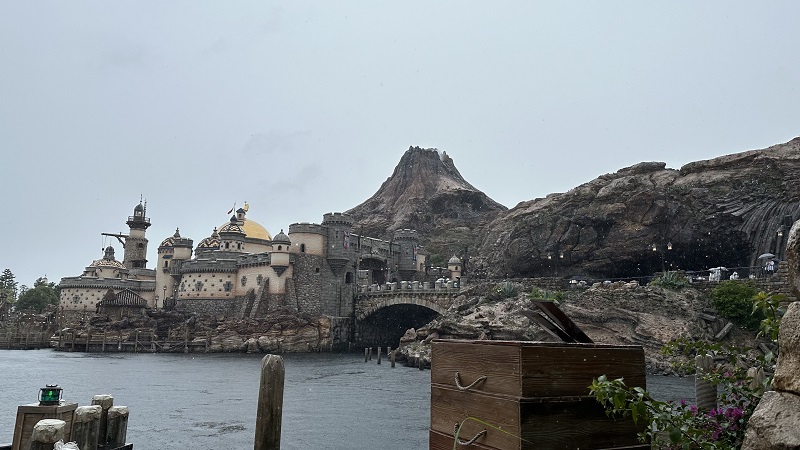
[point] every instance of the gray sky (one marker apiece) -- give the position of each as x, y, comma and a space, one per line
302, 108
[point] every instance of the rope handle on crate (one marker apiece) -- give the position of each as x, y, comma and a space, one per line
471, 385
469, 442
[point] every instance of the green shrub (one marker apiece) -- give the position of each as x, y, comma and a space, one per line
670, 280
507, 289
733, 299
542, 294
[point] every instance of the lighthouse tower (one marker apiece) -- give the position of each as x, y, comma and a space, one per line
136, 242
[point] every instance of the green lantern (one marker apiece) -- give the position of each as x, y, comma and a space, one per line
50, 395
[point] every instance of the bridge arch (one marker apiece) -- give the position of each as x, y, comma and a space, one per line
379, 303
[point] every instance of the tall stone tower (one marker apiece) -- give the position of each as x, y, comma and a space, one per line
136, 242
339, 252
172, 252
410, 257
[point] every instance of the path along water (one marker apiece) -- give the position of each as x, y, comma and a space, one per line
208, 401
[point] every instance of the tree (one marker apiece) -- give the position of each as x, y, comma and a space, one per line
38, 297
8, 285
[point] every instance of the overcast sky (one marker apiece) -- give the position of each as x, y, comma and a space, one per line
302, 108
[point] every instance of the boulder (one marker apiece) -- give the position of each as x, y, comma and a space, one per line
787, 370
775, 424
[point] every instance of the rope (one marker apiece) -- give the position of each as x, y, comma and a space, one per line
469, 442
471, 385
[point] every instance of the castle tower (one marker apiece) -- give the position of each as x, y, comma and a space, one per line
136, 242
171, 254
279, 256
454, 266
411, 258
339, 250
231, 235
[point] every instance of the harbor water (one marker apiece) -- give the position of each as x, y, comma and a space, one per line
208, 401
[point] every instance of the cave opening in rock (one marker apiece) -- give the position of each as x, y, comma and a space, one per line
386, 326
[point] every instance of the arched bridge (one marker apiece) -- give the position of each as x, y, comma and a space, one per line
436, 299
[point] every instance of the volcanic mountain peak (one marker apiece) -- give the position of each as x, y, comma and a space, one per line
425, 192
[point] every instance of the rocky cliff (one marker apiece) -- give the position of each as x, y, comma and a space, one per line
724, 211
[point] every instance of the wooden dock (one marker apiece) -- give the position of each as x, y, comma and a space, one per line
24, 340
138, 341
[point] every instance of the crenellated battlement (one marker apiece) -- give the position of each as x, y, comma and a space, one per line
406, 234
305, 227
337, 219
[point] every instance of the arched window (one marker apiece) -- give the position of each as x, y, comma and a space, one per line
348, 277
302, 248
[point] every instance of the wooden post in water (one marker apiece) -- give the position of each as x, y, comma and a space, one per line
136, 343
370, 353
88, 340
392, 356
186, 340
103, 347
270, 404
379, 355
105, 402
46, 433
153, 338
86, 426
705, 392
208, 340
366, 355
117, 430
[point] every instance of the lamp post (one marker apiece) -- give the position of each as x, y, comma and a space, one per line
662, 253
559, 256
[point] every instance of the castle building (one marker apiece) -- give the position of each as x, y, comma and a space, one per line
241, 270
129, 278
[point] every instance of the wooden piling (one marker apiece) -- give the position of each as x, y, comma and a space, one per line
186, 341
270, 404
136, 343
366, 355
46, 433
379, 355
103, 347
392, 357
208, 340
105, 402
72, 346
369, 353
86, 426
705, 391
117, 429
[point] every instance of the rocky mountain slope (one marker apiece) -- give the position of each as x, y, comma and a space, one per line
427, 193
719, 212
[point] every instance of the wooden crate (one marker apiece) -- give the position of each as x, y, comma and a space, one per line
441, 441
29, 415
534, 395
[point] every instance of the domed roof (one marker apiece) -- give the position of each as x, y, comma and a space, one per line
231, 227
281, 238
454, 260
210, 242
170, 241
250, 228
108, 260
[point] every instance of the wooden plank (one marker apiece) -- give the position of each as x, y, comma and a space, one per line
569, 422
441, 441
548, 326
563, 321
450, 407
498, 363
563, 371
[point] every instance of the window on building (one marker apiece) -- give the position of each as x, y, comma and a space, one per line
198, 286
280, 248
244, 281
348, 277
302, 248
228, 286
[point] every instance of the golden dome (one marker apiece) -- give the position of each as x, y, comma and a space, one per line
252, 229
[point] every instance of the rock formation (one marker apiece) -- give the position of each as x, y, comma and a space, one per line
427, 193
723, 211
775, 424
719, 212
